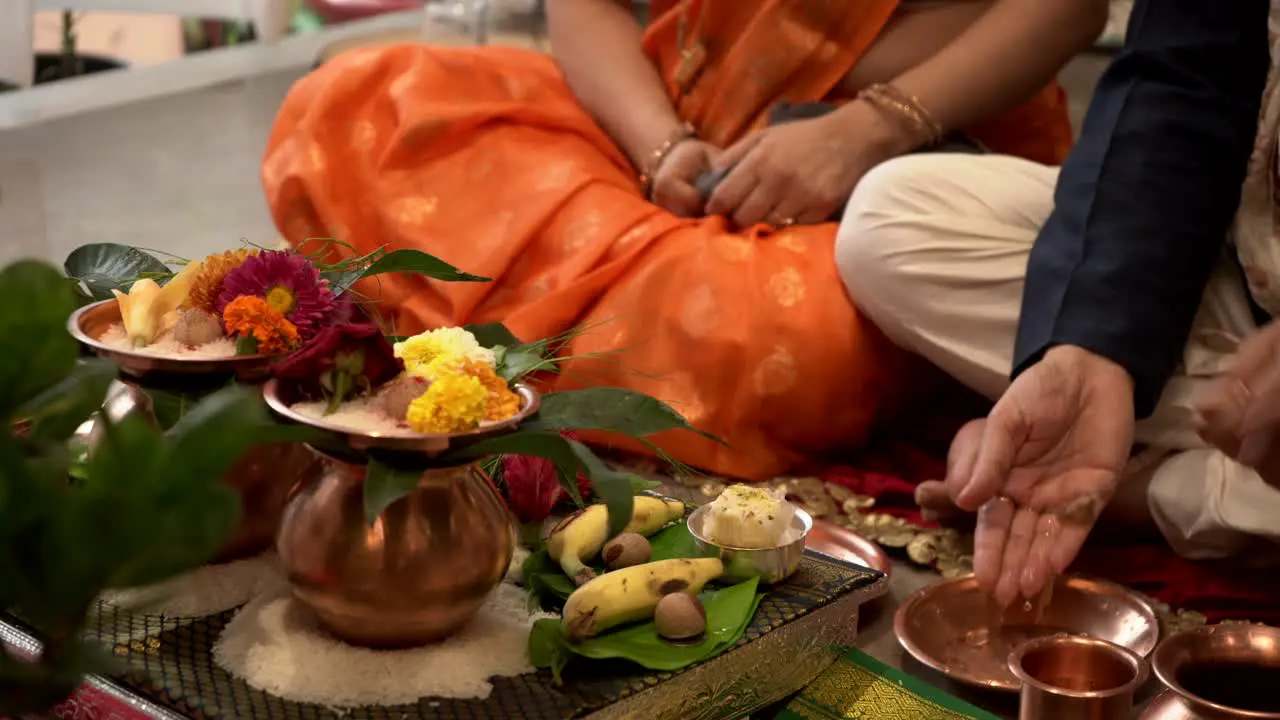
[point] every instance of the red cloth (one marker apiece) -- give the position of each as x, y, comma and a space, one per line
1221, 591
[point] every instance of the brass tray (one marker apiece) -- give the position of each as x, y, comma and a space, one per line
800, 629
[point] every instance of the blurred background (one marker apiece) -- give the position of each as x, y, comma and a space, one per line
143, 121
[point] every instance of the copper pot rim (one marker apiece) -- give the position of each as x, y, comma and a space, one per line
273, 391
902, 617
1141, 671
1165, 669
138, 364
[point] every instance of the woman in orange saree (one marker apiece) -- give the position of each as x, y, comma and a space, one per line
571, 186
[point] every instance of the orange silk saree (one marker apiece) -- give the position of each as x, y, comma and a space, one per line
483, 157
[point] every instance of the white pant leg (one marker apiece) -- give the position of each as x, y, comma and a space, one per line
934, 247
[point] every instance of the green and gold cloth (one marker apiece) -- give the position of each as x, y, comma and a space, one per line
859, 687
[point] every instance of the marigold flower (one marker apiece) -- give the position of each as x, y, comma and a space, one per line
251, 316
420, 352
502, 402
207, 285
455, 402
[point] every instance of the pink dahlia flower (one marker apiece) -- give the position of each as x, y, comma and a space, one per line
289, 283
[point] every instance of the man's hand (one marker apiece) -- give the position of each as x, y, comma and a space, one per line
1240, 414
803, 171
673, 183
1041, 466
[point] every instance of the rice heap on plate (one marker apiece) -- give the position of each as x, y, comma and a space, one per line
274, 644
166, 345
450, 384
749, 516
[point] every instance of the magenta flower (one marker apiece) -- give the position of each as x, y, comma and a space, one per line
289, 283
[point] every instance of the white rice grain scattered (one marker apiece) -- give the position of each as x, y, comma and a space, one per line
362, 414
165, 346
275, 645
207, 590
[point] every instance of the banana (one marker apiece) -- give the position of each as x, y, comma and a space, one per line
580, 536
632, 594
144, 307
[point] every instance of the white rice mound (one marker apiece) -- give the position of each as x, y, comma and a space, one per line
207, 590
276, 646
165, 346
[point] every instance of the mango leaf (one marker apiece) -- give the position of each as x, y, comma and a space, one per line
611, 486
491, 335
413, 262
514, 363
729, 612
641, 484
548, 445
384, 484
57, 412
35, 302
613, 410
104, 267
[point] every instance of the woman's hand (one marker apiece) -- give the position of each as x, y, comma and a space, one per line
801, 172
1240, 414
673, 181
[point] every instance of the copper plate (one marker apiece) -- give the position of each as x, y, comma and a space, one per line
844, 544
1238, 643
91, 321
952, 626
1168, 706
406, 440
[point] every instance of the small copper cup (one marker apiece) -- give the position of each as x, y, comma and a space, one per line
1069, 677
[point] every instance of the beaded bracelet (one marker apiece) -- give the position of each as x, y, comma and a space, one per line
906, 107
656, 158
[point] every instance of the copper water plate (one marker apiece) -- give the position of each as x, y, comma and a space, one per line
844, 544
90, 322
1168, 706
953, 627
404, 440
1253, 644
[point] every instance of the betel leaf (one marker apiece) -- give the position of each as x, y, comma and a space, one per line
35, 301
384, 484
548, 648
611, 409
514, 363
676, 542
104, 267
729, 612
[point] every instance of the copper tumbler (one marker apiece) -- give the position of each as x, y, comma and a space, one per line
1069, 677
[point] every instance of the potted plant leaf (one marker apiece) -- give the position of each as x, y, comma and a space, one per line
68, 62
122, 520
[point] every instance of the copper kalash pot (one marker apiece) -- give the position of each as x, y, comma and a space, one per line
426, 563
262, 477
416, 575
1218, 672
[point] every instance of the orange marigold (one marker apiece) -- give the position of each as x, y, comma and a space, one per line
208, 283
502, 402
250, 315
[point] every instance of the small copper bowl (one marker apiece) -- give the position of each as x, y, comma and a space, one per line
280, 400
1242, 660
91, 322
770, 565
1070, 677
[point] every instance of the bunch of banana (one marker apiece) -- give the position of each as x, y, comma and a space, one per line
579, 537
632, 594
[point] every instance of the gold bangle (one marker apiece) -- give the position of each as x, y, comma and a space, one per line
656, 158
905, 107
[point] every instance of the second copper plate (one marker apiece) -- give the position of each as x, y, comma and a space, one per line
953, 627
844, 544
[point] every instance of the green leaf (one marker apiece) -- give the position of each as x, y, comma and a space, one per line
548, 648
516, 362
676, 542
492, 335
611, 486
35, 302
62, 408
613, 410
384, 484
104, 267
413, 262
549, 445
729, 612
640, 484
544, 578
